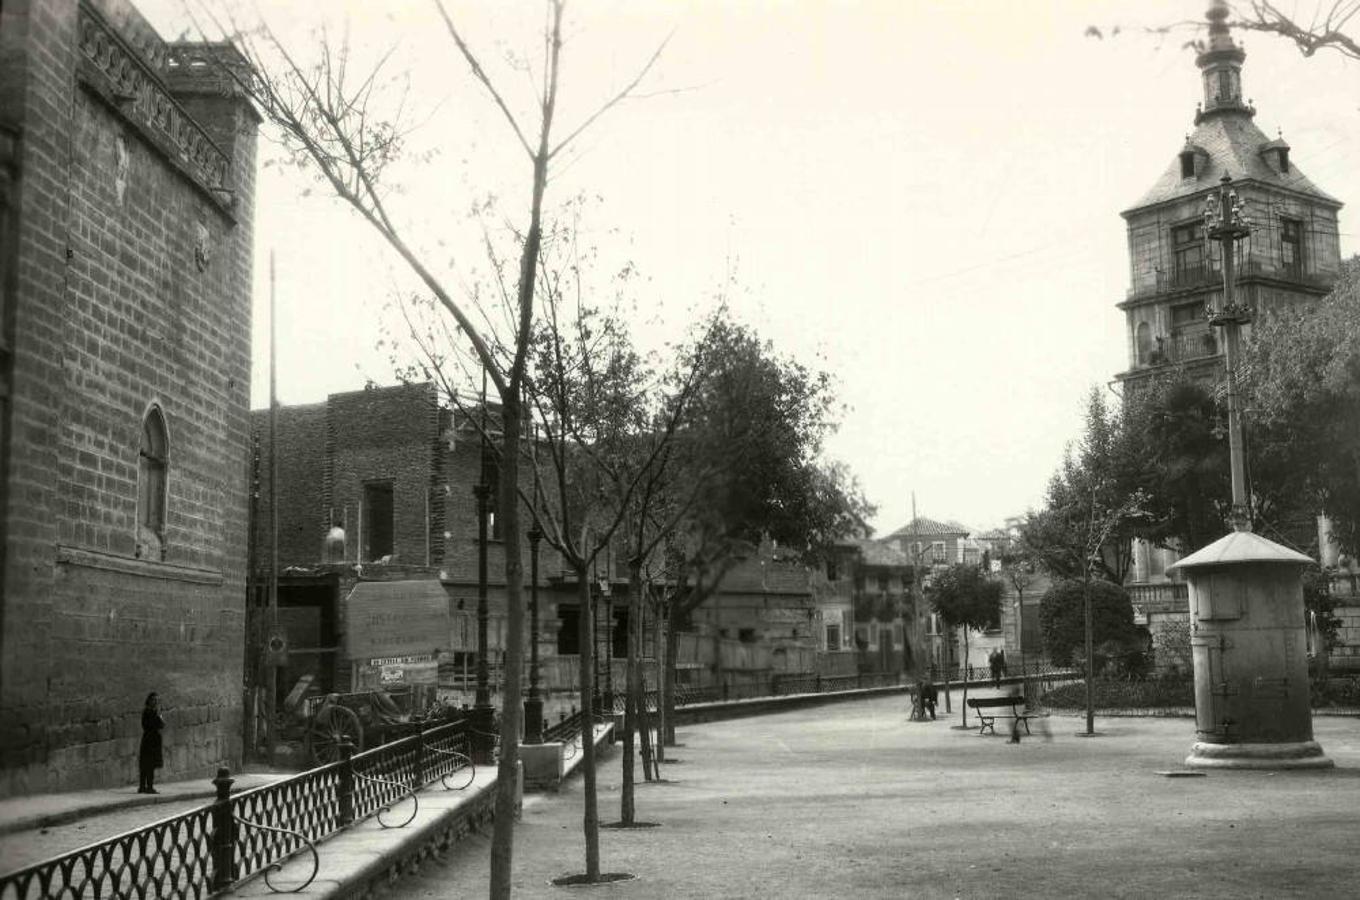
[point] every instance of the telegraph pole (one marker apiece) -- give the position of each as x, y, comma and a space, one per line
272, 674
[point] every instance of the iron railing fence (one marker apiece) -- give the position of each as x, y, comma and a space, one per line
239, 836
1029, 668
170, 858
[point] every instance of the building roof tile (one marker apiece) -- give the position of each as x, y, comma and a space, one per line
923, 527
1232, 144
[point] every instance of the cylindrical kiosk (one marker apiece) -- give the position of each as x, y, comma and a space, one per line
1248, 644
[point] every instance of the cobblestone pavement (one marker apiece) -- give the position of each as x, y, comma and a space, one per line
852, 800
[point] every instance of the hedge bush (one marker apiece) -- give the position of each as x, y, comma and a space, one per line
1158, 693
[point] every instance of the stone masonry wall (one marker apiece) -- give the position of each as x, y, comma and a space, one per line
134, 289
388, 434
301, 483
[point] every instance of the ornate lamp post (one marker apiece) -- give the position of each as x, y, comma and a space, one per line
608, 655
533, 704
483, 714
1225, 222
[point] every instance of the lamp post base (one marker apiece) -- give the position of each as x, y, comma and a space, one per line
483, 734
1284, 755
533, 721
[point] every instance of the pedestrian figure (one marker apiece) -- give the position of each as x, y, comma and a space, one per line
929, 695
150, 755
994, 662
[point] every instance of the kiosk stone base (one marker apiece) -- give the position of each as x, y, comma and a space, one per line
1286, 755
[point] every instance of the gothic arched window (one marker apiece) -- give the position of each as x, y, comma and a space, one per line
153, 462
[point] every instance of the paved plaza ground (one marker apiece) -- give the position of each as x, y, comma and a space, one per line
852, 800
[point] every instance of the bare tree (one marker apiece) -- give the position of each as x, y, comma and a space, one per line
608, 435
332, 123
1327, 27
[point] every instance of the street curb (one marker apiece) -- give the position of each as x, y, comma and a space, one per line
95, 808
75, 814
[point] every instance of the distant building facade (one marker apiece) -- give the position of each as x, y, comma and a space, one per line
127, 171
377, 533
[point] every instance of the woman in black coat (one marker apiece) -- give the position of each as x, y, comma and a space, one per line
150, 756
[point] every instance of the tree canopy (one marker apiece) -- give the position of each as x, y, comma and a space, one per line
1301, 381
1062, 619
1093, 506
965, 597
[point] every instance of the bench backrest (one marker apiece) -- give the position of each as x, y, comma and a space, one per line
976, 702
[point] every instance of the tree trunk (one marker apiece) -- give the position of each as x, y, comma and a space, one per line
591, 820
964, 707
644, 718
662, 655
948, 705
630, 705
503, 835
672, 648
1090, 656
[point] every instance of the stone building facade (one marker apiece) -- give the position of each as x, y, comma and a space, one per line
126, 192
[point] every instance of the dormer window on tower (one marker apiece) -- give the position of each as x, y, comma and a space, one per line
1187, 163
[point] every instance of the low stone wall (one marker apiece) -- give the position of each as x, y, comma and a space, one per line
695, 713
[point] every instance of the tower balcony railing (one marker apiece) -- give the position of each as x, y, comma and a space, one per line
1209, 274
1181, 347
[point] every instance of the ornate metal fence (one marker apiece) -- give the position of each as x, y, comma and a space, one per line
238, 836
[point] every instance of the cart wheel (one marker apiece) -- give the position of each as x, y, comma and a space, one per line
324, 739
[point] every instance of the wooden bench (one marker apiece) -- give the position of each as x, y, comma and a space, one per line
1014, 703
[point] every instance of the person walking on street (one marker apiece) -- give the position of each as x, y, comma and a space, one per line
994, 662
150, 756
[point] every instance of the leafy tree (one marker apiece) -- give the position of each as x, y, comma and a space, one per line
1062, 623
1301, 380
1087, 519
751, 445
1171, 427
965, 598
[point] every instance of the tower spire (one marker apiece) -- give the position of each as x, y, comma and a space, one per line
1220, 64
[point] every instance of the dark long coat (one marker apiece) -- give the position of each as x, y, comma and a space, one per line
150, 755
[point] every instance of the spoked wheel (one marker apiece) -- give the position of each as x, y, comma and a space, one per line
324, 738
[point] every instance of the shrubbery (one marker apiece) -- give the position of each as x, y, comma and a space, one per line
1116, 638
1153, 693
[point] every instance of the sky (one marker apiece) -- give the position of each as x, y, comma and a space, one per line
920, 196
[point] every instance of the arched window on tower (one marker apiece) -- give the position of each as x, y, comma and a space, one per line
152, 466
1143, 342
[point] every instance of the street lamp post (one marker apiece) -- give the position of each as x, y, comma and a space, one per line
483, 715
608, 656
533, 705
1225, 222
